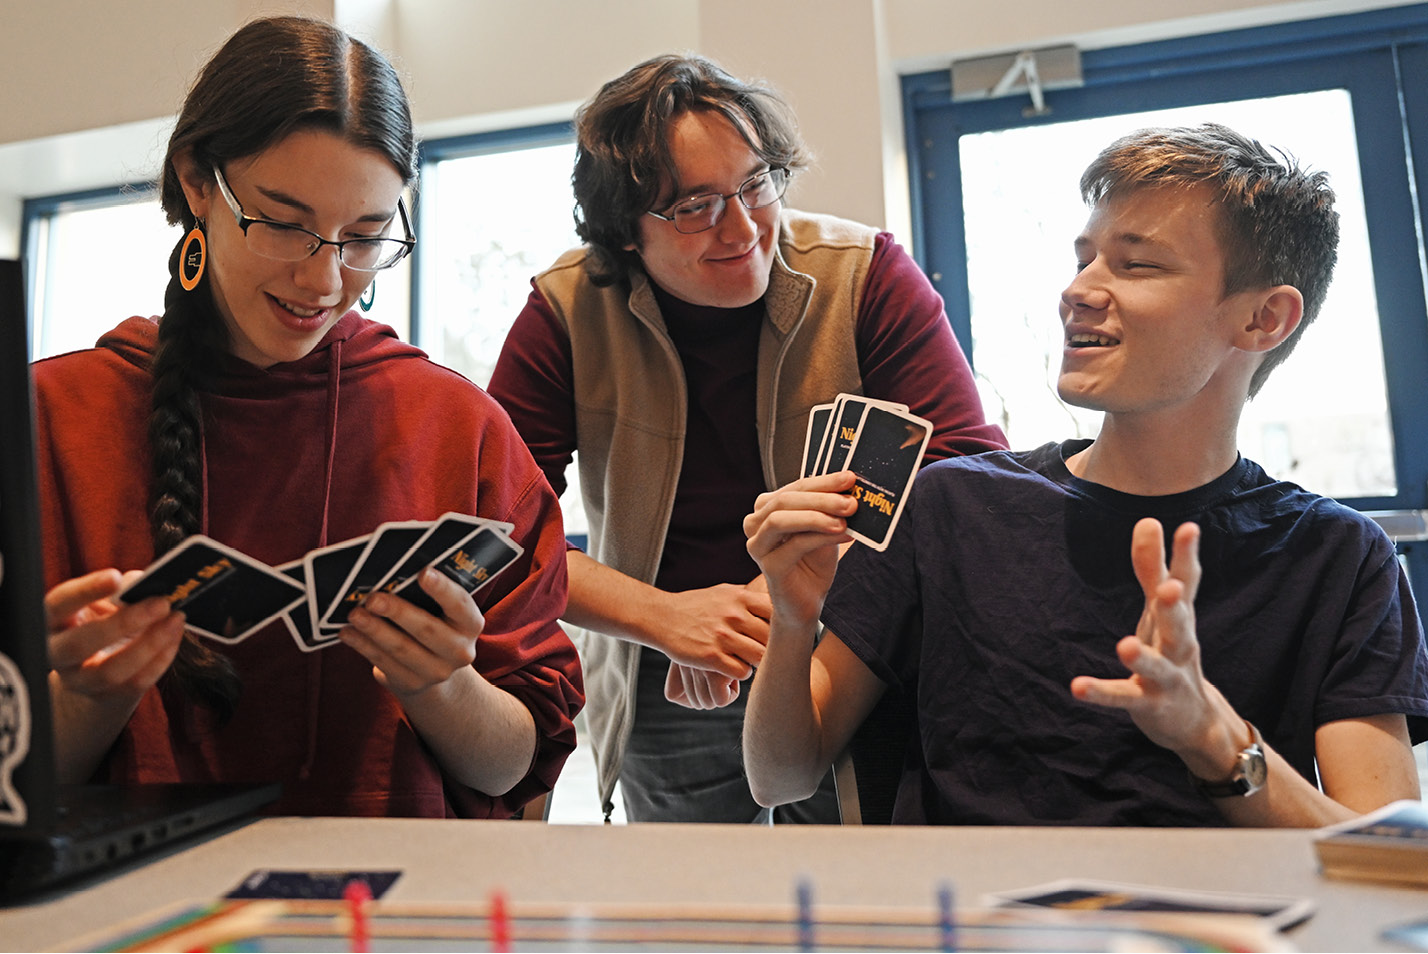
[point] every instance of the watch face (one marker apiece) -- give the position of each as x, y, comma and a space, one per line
1248, 777
1254, 769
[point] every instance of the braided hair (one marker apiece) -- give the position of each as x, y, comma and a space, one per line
273, 77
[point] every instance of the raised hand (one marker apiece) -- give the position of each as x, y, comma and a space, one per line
1166, 693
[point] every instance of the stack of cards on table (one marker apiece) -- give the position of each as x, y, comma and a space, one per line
228, 596
880, 442
1389, 844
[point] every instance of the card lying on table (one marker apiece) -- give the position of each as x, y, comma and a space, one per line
323, 884
227, 595
1088, 895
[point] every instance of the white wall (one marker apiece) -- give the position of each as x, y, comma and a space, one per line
90, 84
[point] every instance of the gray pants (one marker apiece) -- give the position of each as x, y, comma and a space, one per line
686, 765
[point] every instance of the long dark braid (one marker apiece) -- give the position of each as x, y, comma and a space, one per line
274, 76
191, 338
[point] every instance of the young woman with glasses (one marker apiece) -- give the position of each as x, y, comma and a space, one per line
263, 411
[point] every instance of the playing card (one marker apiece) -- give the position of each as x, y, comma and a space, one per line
818, 417
842, 430
472, 564
327, 569
321, 885
224, 595
885, 455
387, 547
449, 530
1071, 894
297, 618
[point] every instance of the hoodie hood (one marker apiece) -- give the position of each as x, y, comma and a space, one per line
359, 342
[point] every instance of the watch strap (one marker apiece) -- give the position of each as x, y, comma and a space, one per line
1239, 783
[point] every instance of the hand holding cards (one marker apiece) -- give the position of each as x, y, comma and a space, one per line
227, 595
882, 443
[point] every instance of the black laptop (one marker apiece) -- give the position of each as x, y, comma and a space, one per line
51, 833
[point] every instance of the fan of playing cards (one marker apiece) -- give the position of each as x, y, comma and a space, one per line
228, 596
878, 441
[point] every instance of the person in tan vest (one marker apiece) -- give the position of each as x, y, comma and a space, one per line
679, 351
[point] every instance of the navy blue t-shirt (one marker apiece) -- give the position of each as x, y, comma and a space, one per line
1008, 576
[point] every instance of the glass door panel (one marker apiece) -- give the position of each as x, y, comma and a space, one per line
1322, 419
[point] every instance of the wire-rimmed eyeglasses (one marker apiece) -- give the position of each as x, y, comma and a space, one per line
292, 243
701, 212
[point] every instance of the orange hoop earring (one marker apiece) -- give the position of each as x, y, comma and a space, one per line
191, 260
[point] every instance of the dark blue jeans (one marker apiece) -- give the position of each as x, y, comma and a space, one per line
686, 765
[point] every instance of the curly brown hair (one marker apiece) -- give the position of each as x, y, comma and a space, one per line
622, 158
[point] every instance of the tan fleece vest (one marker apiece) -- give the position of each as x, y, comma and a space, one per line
631, 405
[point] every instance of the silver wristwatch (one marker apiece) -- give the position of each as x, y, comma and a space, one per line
1249, 773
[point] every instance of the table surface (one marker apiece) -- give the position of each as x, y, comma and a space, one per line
895, 868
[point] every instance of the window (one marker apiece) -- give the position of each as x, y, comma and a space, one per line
1328, 432
496, 209
99, 257
493, 210
95, 258
996, 206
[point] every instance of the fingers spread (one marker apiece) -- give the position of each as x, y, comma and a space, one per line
1115, 693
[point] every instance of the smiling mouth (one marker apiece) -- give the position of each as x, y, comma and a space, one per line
1086, 340
737, 257
298, 311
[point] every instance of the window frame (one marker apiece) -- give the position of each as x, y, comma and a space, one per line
35, 213
434, 151
1366, 53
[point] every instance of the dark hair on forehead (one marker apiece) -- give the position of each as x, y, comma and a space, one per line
623, 166
1277, 223
280, 74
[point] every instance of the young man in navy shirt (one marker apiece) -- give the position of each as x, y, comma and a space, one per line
1273, 673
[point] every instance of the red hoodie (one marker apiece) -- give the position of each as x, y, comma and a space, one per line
363, 430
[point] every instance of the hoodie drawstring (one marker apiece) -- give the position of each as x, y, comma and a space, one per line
314, 665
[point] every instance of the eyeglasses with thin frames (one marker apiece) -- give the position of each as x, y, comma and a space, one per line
698, 213
292, 243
